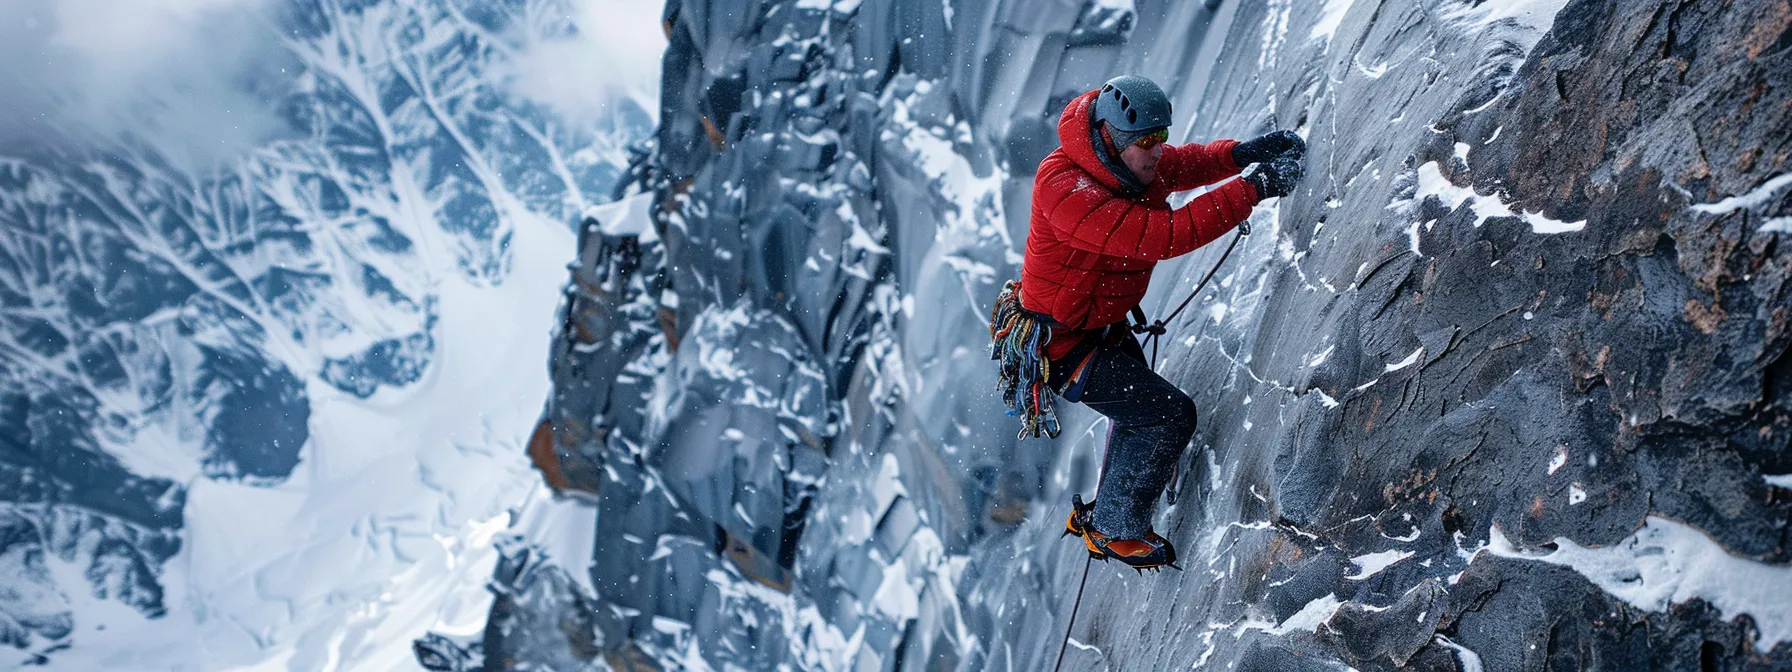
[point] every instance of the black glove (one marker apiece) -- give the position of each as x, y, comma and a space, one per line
1265, 147
1276, 177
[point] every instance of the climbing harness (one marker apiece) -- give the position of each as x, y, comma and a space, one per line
1156, 330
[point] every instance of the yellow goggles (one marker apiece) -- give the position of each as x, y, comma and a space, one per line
1152, 139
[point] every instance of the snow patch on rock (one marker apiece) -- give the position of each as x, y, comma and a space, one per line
1370, 564
1531, 17
1408, 361
1330, 18
1432, 183
1754, 198
1667, 562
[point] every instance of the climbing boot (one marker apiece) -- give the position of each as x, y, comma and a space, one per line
1079, 521
1153, 552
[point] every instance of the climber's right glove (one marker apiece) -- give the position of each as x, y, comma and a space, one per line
1275, 178
1268, 147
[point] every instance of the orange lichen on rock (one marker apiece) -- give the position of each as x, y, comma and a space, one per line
541, 452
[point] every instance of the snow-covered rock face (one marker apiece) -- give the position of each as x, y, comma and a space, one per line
264, 403
1532, 289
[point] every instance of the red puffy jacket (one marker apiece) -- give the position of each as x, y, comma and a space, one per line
1090, 249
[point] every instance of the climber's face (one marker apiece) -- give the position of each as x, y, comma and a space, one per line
1142, 161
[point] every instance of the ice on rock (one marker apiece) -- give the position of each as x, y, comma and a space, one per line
628, 216
1329, 19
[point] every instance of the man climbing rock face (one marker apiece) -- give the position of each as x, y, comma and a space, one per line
1101, 221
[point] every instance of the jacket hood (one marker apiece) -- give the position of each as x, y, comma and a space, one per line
1076, 136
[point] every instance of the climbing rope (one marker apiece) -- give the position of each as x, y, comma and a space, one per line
1156, 330
1073, 608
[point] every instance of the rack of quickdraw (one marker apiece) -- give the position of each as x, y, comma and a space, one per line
1017, 340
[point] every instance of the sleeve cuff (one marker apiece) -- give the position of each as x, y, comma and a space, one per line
1250, 191
1224, 148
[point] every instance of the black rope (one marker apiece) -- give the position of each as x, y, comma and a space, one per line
1073, 609
1155, 329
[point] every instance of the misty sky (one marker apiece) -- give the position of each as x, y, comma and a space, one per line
193, 76
197, 79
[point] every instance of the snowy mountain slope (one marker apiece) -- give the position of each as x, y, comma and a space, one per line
268, 411
1526, 304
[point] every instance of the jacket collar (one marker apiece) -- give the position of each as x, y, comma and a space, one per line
1080, 138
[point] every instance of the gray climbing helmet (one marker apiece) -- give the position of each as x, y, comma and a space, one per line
1130, 104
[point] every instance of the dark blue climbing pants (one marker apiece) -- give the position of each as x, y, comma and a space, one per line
1151, 421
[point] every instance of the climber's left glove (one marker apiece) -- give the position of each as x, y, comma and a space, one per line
1271, 146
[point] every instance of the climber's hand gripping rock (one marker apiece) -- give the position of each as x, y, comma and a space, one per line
1269, 146
1275, 178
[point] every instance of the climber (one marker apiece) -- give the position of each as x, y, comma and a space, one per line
1100, 222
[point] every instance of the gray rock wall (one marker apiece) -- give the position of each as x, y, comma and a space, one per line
1499, 387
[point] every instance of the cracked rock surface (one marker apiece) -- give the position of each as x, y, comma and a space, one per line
1501, 386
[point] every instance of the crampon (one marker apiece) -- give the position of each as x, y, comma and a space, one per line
1152, 552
